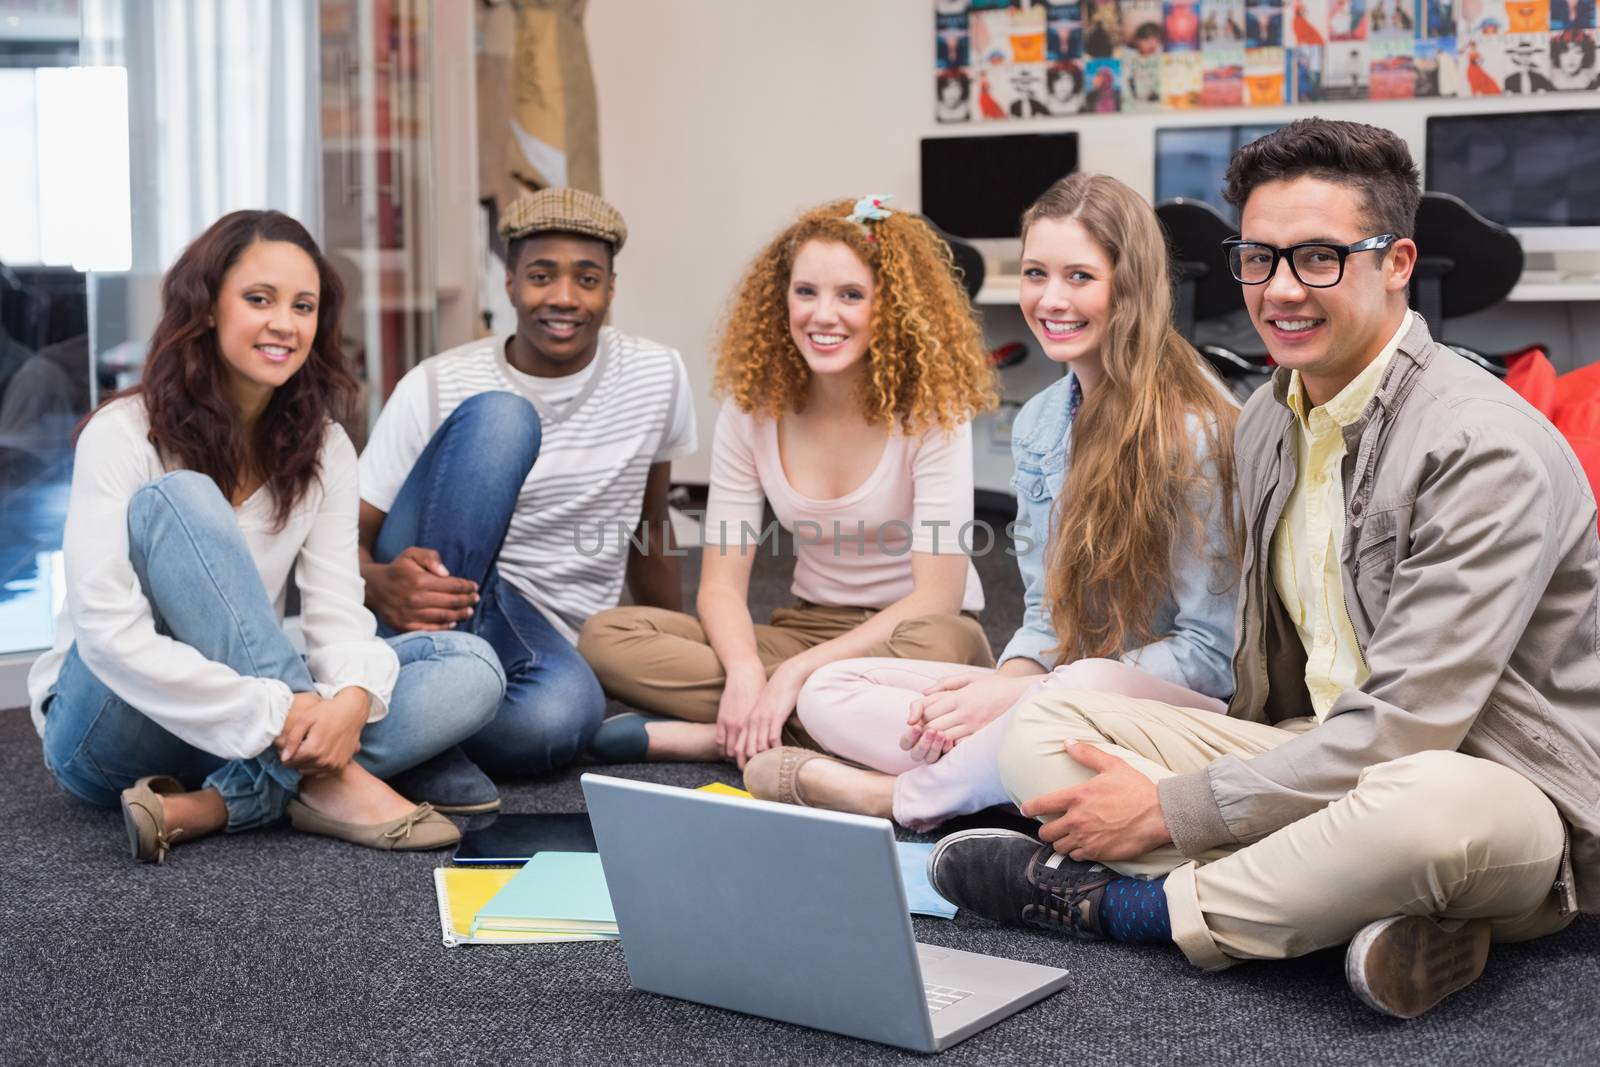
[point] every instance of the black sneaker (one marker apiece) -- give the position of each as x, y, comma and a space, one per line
1404, 965
1011, 878
451, 782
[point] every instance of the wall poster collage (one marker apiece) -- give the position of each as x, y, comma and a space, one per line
1000, 59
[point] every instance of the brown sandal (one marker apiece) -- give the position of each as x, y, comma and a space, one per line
142, 816
775, 774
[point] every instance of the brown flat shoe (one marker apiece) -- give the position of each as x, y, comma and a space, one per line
775, 774
418, 830
144, 820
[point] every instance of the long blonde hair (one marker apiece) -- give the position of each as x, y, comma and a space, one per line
927, 362
1138, 484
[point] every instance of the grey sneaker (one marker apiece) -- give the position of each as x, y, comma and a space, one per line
1011, 878
1404, 965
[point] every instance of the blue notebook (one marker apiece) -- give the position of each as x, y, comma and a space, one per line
921, 897
557, 892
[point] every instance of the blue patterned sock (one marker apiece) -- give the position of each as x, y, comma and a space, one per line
1134, 911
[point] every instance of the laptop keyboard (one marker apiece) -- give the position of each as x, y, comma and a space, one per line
942, 996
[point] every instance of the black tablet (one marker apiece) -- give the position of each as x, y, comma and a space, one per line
513, 838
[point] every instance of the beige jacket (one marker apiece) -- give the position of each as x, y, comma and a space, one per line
1472, 578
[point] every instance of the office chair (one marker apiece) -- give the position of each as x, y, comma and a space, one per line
1465, 263
1205, 292
969, 261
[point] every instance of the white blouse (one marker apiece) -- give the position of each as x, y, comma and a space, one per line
205, 703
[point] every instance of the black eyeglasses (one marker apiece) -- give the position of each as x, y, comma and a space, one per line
1316, 265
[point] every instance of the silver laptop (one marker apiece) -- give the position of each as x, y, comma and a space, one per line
789, 913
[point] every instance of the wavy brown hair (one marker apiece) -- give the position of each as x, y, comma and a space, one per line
193, 420
927, 361
1140, 483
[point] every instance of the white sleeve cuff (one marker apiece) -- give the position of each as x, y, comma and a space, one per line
370, 665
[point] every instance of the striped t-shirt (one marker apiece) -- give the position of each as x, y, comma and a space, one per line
566, 549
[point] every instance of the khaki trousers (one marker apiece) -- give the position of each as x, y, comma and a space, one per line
1435, 833
662, 661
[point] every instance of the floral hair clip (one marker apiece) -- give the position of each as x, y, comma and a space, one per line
869, 209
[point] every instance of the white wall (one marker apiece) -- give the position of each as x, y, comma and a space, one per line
719, 119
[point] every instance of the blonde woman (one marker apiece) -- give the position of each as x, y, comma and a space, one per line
851, 365
1124, 480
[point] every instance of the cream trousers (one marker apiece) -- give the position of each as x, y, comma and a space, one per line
1435, 833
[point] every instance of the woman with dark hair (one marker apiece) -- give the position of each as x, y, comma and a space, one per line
954, 90
1572, 56
1064, 88
172, 685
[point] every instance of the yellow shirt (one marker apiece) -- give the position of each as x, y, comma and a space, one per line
1310, 535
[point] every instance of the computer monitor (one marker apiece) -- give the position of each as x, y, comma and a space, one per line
1535, 172
978, 187
1192, 161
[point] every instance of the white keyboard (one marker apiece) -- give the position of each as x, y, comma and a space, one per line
942, 996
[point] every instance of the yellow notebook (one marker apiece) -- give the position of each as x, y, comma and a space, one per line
464, 890
725, 790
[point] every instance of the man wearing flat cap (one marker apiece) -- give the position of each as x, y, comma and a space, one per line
511, 484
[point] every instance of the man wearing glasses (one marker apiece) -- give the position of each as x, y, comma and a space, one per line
1409, 763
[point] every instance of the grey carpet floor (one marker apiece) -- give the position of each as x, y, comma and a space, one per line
286, 948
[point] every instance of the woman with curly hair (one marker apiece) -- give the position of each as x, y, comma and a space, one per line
1124, 480
172, 687
851, 365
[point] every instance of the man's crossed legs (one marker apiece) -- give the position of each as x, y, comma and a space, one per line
459, 500
1461, 850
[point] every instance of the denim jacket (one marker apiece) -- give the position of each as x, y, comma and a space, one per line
1197, 615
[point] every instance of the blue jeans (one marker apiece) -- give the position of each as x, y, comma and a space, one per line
195, 568
458, 501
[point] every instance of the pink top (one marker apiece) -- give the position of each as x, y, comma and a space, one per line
855, 550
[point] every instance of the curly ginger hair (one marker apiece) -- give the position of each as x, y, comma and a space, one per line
927, 364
